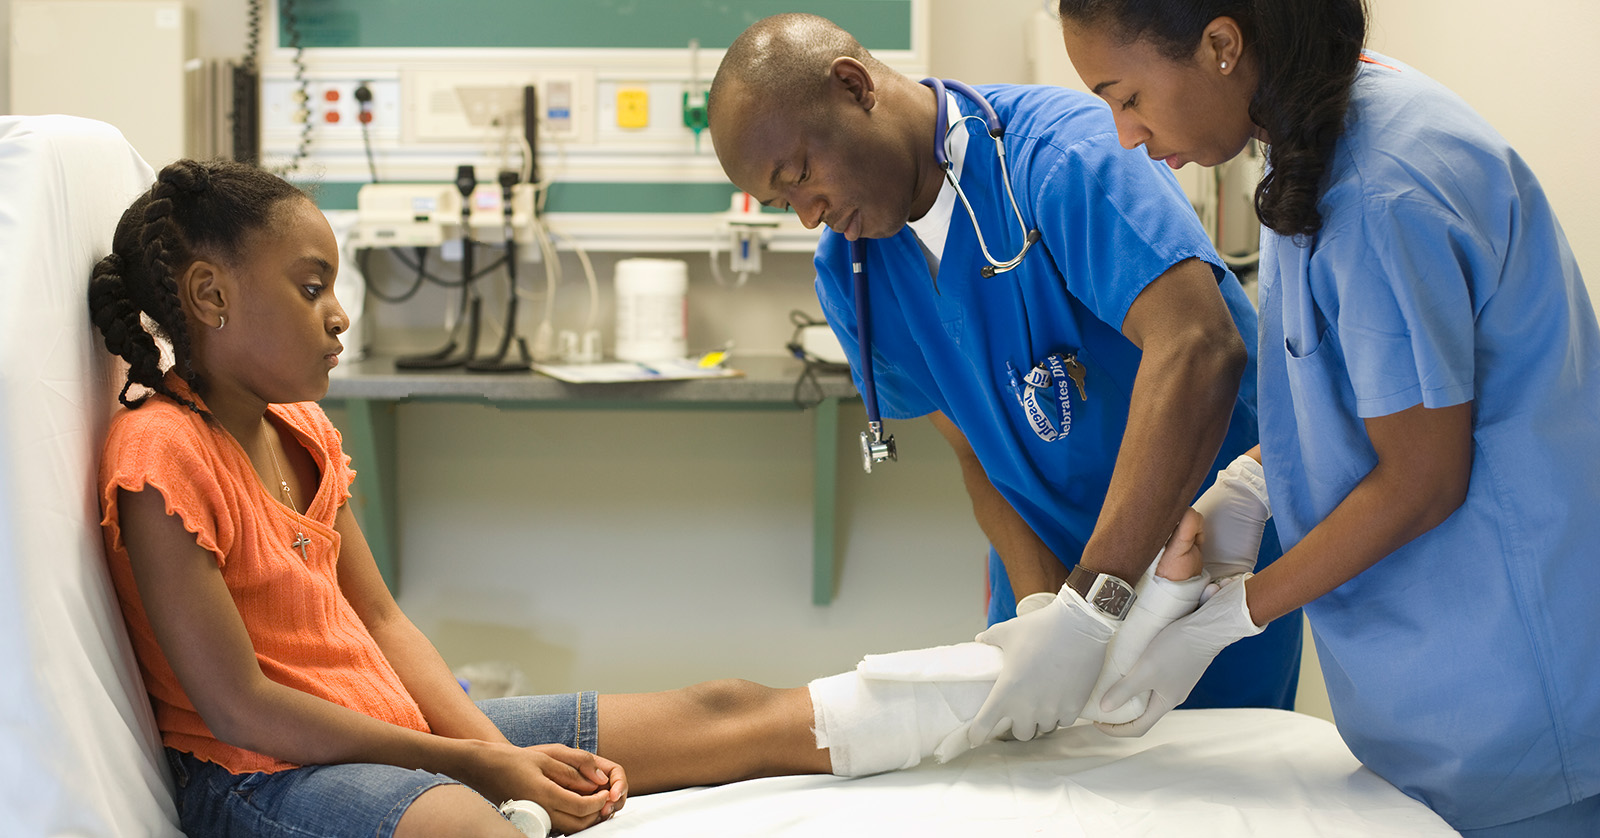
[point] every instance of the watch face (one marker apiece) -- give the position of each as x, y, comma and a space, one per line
1113, 598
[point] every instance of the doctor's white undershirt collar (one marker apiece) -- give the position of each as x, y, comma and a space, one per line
934, 227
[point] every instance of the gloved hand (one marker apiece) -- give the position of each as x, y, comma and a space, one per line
1034, 602
1179, 655
1236, 510
1053, 656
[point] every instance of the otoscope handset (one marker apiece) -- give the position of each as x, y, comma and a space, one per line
466, 181
498, 362
875, 448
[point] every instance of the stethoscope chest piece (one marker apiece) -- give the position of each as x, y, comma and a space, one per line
875, 447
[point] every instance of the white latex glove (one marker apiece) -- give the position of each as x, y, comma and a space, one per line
1052, 657
1236, 510
1034, 602
1179, 655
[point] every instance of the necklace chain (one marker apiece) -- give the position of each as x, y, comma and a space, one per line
300, 540
288, 499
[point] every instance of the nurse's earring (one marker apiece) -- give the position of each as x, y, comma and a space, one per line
1224, 65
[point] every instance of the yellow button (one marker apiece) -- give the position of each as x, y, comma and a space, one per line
633, 108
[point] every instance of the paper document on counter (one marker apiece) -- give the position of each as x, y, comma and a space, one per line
618, 371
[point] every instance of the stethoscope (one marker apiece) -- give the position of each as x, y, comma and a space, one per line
875, 447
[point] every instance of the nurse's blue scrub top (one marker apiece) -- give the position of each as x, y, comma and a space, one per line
1464, 667
1112, 221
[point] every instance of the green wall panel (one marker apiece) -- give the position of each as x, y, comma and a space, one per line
879, 24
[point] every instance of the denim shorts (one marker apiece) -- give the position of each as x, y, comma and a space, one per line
355, 799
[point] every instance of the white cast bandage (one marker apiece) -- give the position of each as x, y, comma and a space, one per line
898, 708
870, 725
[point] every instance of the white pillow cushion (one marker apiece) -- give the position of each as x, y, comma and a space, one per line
79, 753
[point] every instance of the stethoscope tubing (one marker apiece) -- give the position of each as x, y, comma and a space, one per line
858, 270
858, 248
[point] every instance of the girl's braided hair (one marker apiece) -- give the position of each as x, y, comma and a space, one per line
195, 210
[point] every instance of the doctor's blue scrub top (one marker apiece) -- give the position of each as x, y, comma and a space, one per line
1112, 221
1464, 667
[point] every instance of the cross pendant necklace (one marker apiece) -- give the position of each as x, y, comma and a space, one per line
300, 540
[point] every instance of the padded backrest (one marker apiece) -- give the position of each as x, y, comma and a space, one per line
79, 754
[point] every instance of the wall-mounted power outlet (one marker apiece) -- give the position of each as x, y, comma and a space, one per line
478, 105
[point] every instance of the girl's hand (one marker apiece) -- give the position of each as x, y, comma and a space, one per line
589, 772
578, 789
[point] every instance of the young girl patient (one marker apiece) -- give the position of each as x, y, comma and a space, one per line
292, 695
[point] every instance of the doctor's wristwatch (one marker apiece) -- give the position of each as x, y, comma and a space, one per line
1105, 593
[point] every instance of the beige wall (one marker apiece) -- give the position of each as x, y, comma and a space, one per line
5, 56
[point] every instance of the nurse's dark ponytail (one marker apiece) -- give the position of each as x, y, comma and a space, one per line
1307, 51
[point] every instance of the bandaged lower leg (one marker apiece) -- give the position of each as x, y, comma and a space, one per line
896, 709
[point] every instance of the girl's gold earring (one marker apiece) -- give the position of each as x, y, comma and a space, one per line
222, 320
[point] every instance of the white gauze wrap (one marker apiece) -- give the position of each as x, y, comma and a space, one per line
897, 708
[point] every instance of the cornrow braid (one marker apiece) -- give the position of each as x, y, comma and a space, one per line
195, 210
161, 244
117, 318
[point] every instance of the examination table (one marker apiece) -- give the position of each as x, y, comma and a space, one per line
1196, 774
79, 754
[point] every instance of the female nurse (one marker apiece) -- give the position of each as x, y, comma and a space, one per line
1429, 403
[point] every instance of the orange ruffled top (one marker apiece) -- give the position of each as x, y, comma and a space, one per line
305, 632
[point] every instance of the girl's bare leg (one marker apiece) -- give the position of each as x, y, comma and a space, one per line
710, 733
723, 731
453, 812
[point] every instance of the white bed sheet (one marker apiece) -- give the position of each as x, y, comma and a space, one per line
1198, 773
79, 754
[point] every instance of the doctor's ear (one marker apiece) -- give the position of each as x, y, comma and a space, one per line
855, 79
205, 292
1221, 44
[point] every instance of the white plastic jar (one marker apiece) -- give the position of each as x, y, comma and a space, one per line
652, 309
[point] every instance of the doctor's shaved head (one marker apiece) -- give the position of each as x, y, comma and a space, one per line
783, 59
804, 118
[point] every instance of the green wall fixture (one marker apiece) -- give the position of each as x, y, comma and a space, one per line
879, 24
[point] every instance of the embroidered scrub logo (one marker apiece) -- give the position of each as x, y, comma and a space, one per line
1059, 371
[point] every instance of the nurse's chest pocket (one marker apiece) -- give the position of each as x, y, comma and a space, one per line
1333, 437
1305, 329
1304, 326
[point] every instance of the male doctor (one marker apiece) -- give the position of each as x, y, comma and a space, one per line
1089, 392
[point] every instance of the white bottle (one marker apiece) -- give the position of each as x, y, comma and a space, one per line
652, 309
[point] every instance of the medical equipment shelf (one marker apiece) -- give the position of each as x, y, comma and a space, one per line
369, 390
